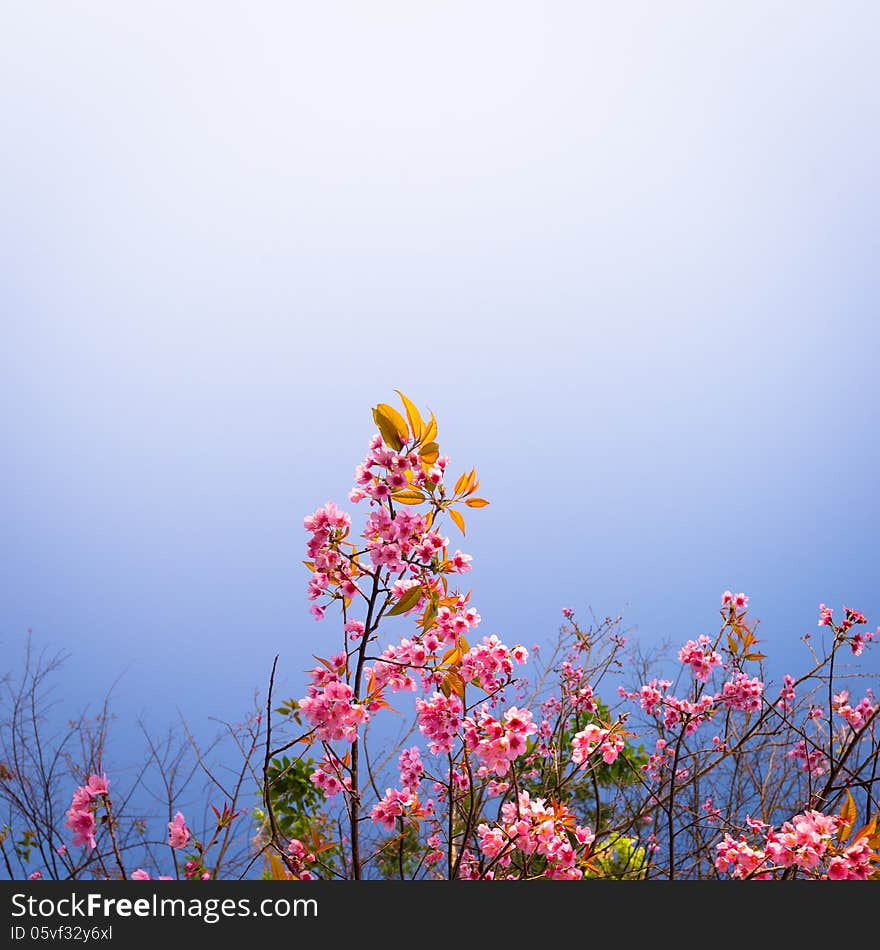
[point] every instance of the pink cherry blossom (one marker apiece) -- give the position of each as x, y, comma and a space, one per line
178, 833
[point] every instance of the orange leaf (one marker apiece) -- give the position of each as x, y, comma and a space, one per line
476, 502
430, 432
390, 425
848, 815
429, 453
408, 496
412, 413
456, 684
457, 518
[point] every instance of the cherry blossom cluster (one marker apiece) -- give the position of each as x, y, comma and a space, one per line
491, 663
533, 827
393, 539
807, 842
787, 694
851, 618
737, 601
577, 691
671, 710
331, 568
742, 692
300, 860
395, 804
331, 709
496, 743
391, 671
701, 657
81, 814
329, 776
439, 719
409, 764
596, 739
812, 760
857, 716
454, 622
384, 471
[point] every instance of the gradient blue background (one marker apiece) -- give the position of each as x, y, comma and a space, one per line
626, 252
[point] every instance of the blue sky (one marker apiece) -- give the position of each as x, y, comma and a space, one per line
627, 256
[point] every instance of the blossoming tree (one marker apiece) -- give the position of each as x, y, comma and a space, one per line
586, 762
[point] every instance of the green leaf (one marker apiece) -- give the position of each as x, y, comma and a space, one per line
407, 602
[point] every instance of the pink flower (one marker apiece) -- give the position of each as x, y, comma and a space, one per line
82, 824
80, 815
332, 711
595, 739
742, 693
410, 765
97, 785
740, 601
178, 833
354, 629
787, 693
461, 563
140, 875
726, 599
439, 720
35, 875
497, 743
825, 616
699, 655
396, 804
585, 835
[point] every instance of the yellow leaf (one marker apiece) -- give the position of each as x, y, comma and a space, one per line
866, 831
387, 429
310, 565
396, 419
457, 518
430, 432
429, 452
456, 684
429, 615
277, 869
408, 496
848, 815
461, 482
476, 502
412, 413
